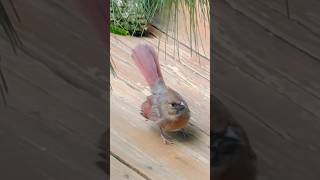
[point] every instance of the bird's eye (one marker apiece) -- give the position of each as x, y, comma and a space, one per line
173, 104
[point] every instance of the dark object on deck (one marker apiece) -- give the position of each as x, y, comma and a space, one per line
232, 156
104, 162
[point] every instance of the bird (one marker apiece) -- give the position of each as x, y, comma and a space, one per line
232, 155
165, 106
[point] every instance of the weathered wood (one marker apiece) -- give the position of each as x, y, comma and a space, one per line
138, 143
272, 61
192, 84
278, 158
120, 171
37, 149
56, 102
270, 85
277, 5
307, 14
278, 24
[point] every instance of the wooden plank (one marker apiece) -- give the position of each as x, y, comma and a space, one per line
272, 61
294, 33
48, 79
20, 159
277, 5
31, 145
198, 64
249, 78
281, 120
190, 84
56, 102
120, 171
48, 23
69, 135
34, 101
285, 117
306, 13
271, 87
139, 144
277, 158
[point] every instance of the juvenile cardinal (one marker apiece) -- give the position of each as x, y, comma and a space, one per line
165, 106
231, 152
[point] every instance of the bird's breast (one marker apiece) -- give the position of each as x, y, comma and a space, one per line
177, 124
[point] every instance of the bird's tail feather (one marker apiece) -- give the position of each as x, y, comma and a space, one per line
147, 61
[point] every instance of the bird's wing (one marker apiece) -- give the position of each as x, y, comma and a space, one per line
146, 108
155, 114
150, 109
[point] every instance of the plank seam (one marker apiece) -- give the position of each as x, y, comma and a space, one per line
260, 120
139, 90
276, 90
20, 76
129, 166
274, 34
170, 55
295, 20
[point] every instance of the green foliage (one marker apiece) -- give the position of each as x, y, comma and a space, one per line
118, 30
135, 15
169, 13
129, 15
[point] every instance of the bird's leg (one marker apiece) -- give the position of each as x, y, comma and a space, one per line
165, 138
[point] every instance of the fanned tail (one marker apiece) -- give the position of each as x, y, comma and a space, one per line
147, 61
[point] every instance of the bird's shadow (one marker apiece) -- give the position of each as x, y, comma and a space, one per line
103, 163
188, 134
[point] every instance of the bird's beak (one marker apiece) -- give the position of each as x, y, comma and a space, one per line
180, 107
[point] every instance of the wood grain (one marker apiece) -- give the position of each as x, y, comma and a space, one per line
295, 34
56, 109
266, 71
120, 171
137, 142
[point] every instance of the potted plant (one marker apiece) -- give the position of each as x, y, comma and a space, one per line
133, 17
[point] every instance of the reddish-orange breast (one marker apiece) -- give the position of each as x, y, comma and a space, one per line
179, 123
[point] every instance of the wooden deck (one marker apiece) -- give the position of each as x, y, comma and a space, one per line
56, 109
55, 117
137, 151
267, 72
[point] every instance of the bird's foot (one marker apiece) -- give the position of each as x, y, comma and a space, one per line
166, 139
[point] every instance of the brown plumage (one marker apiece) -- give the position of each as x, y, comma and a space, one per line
165, 106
